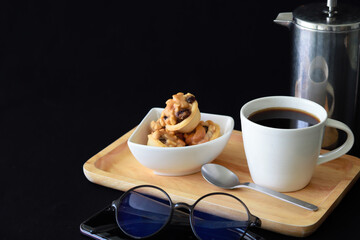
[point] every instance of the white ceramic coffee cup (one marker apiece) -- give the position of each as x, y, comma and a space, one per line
284, 159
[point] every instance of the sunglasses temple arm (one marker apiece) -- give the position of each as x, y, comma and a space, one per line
104, 228
252, 236
255, 222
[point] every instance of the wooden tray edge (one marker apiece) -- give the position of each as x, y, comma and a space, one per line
98, 176
94, 174
329, 204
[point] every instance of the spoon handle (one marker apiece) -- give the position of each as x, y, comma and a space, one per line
280, 196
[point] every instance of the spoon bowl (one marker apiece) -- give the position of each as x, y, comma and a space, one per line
219, 176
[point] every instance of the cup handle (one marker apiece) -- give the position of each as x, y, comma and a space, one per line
343, 149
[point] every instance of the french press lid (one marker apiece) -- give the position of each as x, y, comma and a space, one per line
328, 16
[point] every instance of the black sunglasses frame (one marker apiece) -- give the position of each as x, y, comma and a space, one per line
253, 221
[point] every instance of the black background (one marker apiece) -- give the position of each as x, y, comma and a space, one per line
76, 75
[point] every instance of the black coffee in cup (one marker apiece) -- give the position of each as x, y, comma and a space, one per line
286, 118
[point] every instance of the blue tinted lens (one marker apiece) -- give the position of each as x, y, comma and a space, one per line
141, 214
220, 217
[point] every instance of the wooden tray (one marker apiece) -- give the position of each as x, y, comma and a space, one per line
115, 167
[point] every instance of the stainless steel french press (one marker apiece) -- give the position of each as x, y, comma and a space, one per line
325, 58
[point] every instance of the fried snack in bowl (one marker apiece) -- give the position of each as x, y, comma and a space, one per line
163, 138
177, 161
181, 113
204, 132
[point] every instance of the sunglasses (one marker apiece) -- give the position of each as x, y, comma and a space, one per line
145, 210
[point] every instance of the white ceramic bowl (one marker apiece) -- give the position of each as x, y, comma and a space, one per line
177, 161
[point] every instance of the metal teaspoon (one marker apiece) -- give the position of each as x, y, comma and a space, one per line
222, 177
